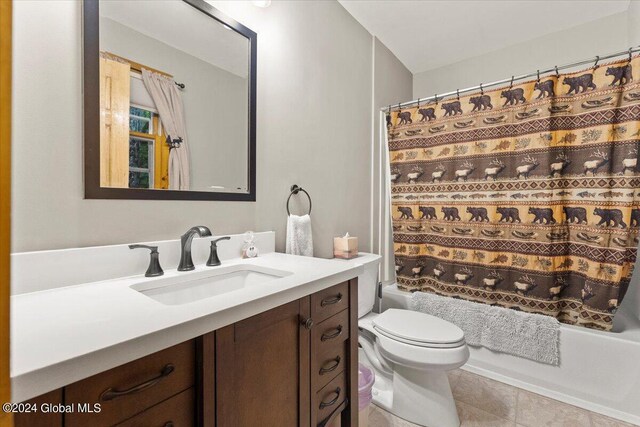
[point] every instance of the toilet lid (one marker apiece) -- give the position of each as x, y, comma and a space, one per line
418, 328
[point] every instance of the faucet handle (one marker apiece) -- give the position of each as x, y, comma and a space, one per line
215, 241
152, 248
154, 268
214, 260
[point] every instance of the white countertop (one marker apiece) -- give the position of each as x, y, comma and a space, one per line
62, 335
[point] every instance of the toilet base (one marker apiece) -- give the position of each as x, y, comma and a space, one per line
422, 397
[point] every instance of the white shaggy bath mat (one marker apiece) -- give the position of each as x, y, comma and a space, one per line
532, 336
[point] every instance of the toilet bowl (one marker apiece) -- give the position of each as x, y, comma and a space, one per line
410, 353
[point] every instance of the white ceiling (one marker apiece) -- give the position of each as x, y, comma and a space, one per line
429, 34
194, 32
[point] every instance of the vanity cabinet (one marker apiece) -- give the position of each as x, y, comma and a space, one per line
293, 365
290, 366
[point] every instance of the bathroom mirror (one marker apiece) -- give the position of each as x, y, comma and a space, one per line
169, 102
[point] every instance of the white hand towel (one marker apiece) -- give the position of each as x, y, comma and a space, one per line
299, 235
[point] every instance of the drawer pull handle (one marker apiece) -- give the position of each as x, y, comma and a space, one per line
335, 412
327, 336
110, 393
334, 365
331, 300
324, 404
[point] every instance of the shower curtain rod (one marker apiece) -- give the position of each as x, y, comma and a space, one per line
482, 86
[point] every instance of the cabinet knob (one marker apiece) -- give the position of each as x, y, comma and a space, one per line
307, 323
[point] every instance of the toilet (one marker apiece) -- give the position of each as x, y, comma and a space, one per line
410, 353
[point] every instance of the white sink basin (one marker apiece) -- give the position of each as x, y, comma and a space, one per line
190, 287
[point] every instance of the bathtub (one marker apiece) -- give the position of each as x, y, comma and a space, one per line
599, 371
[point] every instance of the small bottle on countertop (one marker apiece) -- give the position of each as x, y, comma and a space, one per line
249, 250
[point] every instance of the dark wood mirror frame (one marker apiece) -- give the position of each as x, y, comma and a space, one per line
91, 50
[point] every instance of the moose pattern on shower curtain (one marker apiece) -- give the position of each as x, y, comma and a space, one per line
525, 197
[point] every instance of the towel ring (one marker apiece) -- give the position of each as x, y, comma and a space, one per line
295, 189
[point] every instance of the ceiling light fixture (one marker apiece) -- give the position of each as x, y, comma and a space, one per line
261, 3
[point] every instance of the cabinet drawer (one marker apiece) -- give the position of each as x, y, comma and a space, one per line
330, 301
332, 331
328, 364
129, 389
177, 411
330, 400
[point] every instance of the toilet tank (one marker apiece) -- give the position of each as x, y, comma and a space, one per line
367, 281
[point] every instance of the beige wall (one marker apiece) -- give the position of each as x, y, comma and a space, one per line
315, 97
633, 23
609, 34
314, 116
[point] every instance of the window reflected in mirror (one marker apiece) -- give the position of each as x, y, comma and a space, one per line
174, 99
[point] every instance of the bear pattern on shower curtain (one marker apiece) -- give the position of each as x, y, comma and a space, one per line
524, 197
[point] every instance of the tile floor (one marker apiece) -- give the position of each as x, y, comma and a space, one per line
483, 402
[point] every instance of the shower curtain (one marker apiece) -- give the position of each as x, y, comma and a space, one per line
524, 197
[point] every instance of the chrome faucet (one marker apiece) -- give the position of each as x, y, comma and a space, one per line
186, 262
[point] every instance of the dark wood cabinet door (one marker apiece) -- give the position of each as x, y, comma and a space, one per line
262, 369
